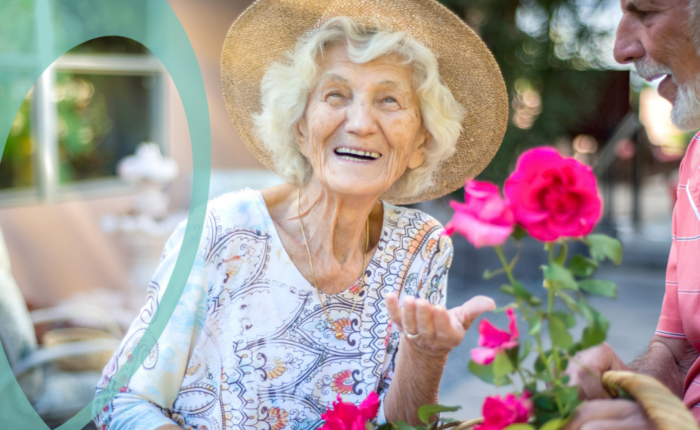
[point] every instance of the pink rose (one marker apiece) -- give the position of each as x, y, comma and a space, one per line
492, 340
347, 416
500, 413
484, 218
552, 196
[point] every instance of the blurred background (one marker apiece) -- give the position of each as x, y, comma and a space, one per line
97, 171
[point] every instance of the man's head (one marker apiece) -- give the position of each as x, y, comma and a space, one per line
662, 37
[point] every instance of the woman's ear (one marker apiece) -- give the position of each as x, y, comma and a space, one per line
301, 133
418, 155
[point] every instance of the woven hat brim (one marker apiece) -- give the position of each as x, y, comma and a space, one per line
269, 29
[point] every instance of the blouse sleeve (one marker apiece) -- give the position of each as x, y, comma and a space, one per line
428, 282
144, 402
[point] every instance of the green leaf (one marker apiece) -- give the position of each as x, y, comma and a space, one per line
520, 427
536, 327
502, 365
599, 287
545, 402
369, 426
575, 348
568, 301
525, 350
581, 266
602, 247
508, 290
402, 425
559, 277
568, 319
485, 373
554, 424
427, 411
521, 292
558, 332
597, 328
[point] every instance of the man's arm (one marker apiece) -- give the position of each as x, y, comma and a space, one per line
667, 360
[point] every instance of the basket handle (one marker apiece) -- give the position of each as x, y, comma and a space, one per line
663, 408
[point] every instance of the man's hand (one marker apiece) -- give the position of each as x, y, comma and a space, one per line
615, 414
587, 367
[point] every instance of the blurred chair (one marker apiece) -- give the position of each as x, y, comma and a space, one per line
56, 393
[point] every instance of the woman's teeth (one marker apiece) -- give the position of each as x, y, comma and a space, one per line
354, 155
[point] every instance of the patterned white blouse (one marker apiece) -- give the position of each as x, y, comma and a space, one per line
249, 345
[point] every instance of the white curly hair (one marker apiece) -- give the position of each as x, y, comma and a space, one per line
285, 89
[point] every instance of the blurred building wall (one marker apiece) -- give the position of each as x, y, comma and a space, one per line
57, 249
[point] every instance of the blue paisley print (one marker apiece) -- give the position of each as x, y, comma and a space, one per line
249, 346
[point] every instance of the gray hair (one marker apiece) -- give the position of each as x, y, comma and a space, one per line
694, 16
285, 89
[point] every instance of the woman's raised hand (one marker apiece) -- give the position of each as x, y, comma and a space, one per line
438, 330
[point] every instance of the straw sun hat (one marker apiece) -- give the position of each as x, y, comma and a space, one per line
269, 29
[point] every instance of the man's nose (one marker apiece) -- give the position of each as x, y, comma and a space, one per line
628, 48
360, 118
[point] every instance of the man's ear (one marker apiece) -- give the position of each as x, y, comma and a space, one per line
418, 155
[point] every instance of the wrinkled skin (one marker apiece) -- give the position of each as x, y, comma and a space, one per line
659, 29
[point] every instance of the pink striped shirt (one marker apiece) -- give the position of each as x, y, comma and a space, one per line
680, 313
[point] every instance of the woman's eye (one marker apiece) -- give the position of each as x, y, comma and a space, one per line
390, 100
335, 95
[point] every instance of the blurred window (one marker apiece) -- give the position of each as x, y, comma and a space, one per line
89, 110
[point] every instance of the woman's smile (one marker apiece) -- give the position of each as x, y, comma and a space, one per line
356, 155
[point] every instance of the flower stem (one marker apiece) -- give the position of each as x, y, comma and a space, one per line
506, 266
550, 304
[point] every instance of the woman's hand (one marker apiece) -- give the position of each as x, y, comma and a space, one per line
421, 359
439, 330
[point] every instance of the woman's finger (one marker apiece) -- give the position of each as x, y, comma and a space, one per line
470, 310
424, 318
408, 315
443, 324
392, 305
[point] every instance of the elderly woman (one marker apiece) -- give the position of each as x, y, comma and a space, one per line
319, 287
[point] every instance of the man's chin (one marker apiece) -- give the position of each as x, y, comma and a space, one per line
686, 107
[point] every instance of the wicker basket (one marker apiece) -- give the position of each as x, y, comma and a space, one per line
663, 408
93, 361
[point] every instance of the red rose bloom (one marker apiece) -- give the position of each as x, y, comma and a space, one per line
500, 413
485, 218
552, 196
347, 416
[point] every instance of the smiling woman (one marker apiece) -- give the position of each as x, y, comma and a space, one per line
326, 63
319, 288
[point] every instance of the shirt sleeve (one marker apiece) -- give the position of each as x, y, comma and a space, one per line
670, 323
431, 284
145, 401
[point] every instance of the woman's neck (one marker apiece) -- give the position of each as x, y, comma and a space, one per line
334, 226
333, 222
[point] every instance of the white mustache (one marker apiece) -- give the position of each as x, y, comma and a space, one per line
649, 69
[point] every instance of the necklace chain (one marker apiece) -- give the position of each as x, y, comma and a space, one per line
311, 265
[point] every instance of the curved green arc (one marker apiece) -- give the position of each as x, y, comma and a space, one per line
161, 32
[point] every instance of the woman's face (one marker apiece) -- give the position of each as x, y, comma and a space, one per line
362, 127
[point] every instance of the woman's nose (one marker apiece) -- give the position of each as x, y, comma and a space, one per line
628, 47
360, 119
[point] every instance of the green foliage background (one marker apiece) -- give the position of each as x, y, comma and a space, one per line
549, 46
